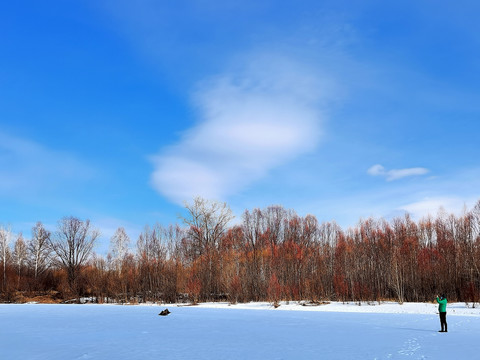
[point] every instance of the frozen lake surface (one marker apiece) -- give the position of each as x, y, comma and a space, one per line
252, 331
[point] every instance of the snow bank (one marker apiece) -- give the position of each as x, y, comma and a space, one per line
351, 307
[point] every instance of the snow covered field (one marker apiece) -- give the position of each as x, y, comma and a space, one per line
244, 331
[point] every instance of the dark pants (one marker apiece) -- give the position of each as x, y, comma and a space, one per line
443, 321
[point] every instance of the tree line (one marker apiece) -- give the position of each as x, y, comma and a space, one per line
272, 254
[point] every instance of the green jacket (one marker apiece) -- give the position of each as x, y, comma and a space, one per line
442, 304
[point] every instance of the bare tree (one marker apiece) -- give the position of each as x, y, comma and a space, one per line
73, 243
20, 256
207, 221
253, 229
152, 254
119, 247
5, 237
39, 250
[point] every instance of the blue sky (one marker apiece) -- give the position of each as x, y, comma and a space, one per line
119, 111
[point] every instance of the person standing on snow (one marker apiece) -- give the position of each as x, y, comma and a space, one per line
442, 309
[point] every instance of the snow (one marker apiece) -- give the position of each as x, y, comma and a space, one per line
242, 331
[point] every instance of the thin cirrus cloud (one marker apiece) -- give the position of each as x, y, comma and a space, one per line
432, 205
395, 174
28, 167
251, 121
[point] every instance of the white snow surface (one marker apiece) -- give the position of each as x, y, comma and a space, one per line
243, 331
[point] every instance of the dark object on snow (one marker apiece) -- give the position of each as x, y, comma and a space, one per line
164, 312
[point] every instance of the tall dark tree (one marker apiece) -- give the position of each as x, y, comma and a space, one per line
73, 243
207, 223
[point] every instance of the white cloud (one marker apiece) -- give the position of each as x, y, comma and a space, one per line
251, 121
26, 166
377, 170
432, 206
395, 174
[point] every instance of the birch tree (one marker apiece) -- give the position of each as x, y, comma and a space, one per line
119, 244
20, 256
5, 238
39, 250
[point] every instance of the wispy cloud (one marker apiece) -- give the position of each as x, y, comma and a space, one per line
26, 167
434, 205
395, 174
251, 121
